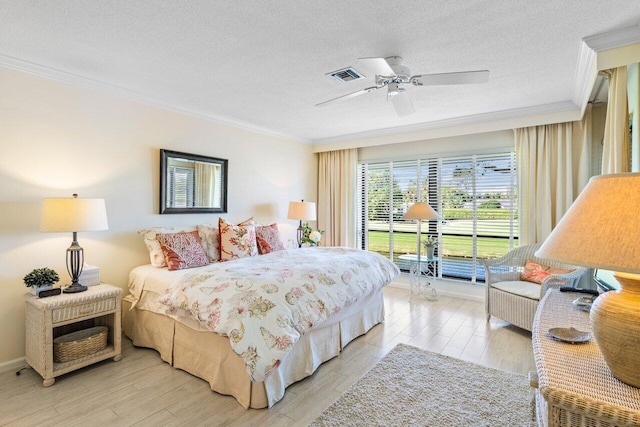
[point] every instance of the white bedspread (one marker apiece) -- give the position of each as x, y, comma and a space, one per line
265, 303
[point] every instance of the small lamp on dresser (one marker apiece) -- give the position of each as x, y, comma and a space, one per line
601, 229
74, 214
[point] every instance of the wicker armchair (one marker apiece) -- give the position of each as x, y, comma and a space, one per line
513, 307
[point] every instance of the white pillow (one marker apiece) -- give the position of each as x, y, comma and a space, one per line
210, 240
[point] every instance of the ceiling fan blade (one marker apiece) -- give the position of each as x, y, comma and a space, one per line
402, 103
349, 95
465, 77
378, 66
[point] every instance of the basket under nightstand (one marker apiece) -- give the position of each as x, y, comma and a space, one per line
49, 318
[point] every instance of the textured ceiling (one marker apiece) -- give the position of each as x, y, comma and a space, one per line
262, 64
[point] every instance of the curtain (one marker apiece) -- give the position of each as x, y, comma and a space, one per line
633, 93
205, 184
553, 167
615, 150
336, 196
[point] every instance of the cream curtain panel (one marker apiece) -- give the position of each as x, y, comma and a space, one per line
633, 93
615, 149
553, 167
336, 196
205, 184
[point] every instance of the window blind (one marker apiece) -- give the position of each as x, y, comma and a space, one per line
181, 187
475, 197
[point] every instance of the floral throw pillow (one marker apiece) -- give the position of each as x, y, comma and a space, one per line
182, 250
237, 241
536, 273
268, 239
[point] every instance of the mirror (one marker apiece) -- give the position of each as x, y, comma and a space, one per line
190, 183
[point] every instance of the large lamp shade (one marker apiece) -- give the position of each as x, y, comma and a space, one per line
73, 215
601, 229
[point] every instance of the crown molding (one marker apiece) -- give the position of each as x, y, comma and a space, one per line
586, 74
613, 39
132, 95
500, 120
588, 64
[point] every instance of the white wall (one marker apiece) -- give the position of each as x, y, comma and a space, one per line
57, 139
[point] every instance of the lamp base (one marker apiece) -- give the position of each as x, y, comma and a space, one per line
300, 233
616, 326
72, 289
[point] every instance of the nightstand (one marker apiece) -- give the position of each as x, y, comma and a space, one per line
49, 318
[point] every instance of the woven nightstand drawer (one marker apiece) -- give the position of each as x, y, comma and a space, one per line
76, 311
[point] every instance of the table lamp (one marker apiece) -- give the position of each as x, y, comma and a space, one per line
301, 211
73, 215
601, 229
420, 211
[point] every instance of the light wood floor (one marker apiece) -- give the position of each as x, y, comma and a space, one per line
142, 390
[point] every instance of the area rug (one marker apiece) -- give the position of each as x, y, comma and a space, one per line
414, 387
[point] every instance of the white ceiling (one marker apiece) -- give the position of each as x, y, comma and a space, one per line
262, 64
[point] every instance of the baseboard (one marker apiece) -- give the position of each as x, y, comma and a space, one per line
448, 288
14, 364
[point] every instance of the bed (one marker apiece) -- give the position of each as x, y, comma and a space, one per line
253, 326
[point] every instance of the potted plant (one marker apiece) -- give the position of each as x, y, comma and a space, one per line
310, 237
430, 244
41, 279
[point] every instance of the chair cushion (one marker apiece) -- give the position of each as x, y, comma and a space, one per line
520, 287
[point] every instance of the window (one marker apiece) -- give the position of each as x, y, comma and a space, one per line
474, 195
180, 188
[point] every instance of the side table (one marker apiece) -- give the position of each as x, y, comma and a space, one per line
49, 318
422, 275
574, 385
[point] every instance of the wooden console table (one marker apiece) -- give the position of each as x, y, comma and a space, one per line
575, 386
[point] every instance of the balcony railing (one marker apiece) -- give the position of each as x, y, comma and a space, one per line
457, 251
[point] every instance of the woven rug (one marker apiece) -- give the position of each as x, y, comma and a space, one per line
411, 387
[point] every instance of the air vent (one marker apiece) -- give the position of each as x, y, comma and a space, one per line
346, 75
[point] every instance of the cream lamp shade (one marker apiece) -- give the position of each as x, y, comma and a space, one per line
601, 229
420, 211
73, 214
302, 211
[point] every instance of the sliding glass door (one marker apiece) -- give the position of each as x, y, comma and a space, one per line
475, 197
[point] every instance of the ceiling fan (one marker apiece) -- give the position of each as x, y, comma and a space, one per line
390, 73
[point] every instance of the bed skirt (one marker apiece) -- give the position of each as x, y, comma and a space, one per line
209, 356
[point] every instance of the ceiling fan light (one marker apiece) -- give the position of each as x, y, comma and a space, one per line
393, 90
